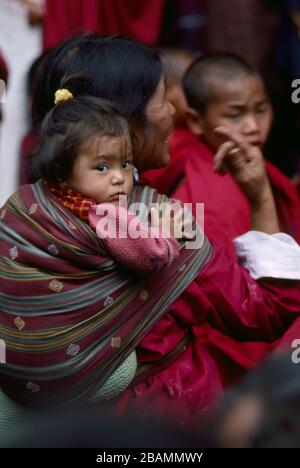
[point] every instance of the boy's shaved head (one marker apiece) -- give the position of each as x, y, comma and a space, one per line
207, 74
175, 62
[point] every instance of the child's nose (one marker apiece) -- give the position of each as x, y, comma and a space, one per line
250, 124
117, 177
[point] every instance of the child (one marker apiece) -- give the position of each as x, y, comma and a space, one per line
222, 89
85, 159
175, 63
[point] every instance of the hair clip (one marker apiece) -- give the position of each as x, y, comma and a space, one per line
62, 95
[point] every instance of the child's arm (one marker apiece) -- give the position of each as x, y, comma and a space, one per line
129, 242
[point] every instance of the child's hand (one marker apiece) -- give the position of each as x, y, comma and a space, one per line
178, 226
244, 161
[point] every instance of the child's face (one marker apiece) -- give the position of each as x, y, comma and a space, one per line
103, 169
242, 105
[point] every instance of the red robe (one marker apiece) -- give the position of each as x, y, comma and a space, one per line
182, 384
131, 18
228, 298
28, 144
227, 215
3, 69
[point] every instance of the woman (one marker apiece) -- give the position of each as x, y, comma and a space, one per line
155, 316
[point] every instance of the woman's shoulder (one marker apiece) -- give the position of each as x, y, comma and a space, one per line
24, 195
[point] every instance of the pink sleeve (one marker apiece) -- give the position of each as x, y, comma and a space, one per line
148, 252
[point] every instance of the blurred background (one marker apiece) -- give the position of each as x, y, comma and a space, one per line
264, 32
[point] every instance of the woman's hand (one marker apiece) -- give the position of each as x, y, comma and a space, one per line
246, 164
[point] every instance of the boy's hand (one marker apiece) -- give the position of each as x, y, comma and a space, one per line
246, 164
244, 161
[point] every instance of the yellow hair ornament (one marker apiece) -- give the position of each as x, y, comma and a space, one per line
62, 95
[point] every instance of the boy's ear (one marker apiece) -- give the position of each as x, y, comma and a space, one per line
194, 121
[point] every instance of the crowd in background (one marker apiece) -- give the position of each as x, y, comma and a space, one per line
266, 33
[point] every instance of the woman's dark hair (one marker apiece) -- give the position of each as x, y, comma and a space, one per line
68, 126
117, 69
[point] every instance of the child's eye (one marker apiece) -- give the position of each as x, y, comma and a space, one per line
232, 116
261, 110
103, 168
127, 165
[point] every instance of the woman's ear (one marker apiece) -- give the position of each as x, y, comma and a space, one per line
194, 121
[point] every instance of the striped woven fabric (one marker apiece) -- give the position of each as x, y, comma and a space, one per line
69, 315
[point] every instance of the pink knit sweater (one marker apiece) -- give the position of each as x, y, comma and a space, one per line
135, 246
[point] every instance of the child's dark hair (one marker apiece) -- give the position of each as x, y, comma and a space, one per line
67, 127
199, 79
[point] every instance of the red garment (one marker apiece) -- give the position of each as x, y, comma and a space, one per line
4, 77
72, 200
131, 18
183, 387
292, 334
28, 145
229, 299
101, 311
3, 69
192, 160
227, 215
152, 251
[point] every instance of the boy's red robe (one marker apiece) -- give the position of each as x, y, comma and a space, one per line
190, 178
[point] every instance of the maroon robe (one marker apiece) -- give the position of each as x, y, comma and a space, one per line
3, 69
131, 18
227, 215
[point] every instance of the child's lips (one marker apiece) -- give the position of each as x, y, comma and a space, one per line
116, 196
256, 143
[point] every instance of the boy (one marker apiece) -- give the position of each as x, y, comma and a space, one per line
222, 89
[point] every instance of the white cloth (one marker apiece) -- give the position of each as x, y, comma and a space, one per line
20, 44
269, 255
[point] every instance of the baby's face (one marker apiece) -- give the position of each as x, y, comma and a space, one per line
242, 105
103, 169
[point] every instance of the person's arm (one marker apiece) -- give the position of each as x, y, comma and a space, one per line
255, 299
129, 242
225, 295
263, 212
246, 164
